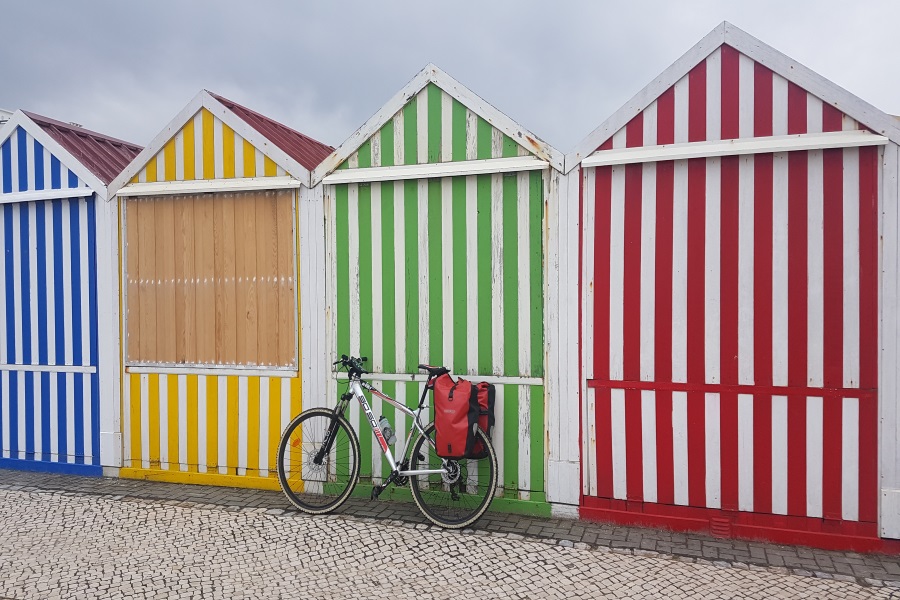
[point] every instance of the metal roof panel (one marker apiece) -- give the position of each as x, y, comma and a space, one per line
302, 148
102, 155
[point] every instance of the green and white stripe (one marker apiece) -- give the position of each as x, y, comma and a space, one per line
433, 127
445, 271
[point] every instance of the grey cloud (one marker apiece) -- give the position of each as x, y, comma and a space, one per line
558, 68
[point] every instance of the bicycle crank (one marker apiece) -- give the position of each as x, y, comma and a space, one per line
392, 478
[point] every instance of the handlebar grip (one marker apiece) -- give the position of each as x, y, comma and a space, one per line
363, 359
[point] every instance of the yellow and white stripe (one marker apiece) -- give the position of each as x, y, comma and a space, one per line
212, 429
207, 148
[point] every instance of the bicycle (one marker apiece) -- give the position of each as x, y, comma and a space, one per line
318, 459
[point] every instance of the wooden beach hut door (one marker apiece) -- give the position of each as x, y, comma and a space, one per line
730, 333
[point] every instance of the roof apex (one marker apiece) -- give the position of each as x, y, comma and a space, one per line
242, 124
431, 73
743, 42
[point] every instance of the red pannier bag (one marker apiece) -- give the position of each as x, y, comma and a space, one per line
459, 407
485, 397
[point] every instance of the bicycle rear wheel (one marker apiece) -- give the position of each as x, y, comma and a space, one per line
318, 488
458, 498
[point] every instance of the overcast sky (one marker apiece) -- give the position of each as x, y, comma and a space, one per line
559, 68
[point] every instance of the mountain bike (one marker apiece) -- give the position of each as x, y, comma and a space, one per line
318, 458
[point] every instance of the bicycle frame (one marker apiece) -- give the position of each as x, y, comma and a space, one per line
356, 388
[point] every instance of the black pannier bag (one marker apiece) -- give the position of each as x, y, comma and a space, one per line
460, 407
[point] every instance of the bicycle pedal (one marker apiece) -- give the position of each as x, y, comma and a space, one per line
376, 491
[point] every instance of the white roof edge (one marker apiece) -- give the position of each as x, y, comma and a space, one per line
433, 74
20, 119
204, 99
646, 96
726, 33
828, 91
261, 142
156, 144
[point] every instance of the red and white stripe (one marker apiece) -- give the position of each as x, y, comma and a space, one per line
730, 333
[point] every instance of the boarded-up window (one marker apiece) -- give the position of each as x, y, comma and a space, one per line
210, 279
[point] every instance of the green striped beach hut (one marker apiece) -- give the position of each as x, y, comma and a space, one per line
435, 251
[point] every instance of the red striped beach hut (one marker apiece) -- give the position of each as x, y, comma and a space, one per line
738, 303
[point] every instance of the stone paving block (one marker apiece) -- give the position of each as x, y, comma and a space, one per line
595, 534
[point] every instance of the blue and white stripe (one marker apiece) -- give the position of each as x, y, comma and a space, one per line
49, 401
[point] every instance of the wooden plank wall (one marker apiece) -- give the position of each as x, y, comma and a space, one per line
210, 279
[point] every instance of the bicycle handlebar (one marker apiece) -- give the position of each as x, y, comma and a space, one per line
353, 364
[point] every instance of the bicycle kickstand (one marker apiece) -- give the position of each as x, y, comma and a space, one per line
377, 489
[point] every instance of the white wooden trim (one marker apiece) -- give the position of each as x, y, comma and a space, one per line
328, 204
224, 370
202, 186
422, 377
828, 91
889, 355
646, 96
33, 196
312, 292
726, 33
448, 169
205, 100
20, 119
781, 143
48, 368
108, 338
562, 405
471, 100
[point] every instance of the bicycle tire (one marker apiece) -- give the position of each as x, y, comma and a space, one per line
317, 489
435, 497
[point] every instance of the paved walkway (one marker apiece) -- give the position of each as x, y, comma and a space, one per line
142, 538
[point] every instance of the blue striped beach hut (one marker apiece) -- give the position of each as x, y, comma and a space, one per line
58, 298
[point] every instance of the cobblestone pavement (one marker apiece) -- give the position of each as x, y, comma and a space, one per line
218, 507
72, 545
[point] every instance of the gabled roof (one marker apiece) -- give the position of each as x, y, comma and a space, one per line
94, 157
293, 151
728, 34
471, 100
302, 148
104, 156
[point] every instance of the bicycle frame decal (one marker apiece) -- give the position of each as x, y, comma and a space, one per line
357, 387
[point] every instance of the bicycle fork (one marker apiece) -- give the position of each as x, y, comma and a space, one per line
325, 449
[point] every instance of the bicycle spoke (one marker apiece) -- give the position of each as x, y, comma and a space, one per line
457, 497
311, 486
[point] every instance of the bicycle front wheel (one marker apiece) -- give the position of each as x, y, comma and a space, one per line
314, 481
459, 497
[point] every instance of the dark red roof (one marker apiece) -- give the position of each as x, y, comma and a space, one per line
102, 155
302, 148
